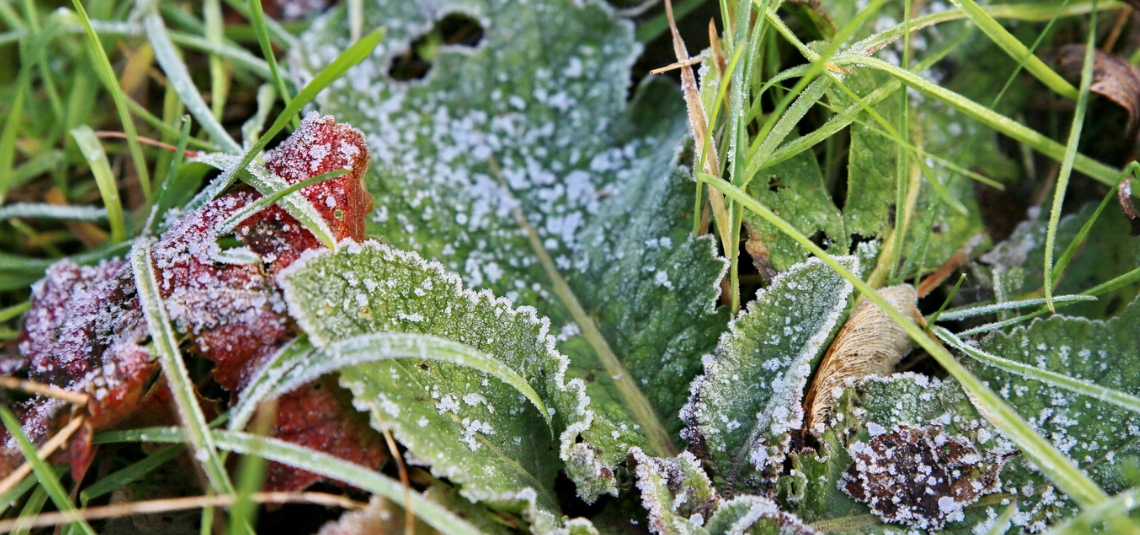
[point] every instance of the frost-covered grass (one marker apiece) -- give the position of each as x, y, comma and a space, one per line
517, 194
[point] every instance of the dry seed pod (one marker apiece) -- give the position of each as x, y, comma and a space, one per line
870, 343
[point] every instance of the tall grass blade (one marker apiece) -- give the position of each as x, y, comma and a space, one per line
257, 17
107, 73
105, 180
174, 369
179, 76
1017, 50
1067, 161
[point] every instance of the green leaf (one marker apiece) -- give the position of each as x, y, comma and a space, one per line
1095, 433
529, 135
471, 427
750, 398
795, 190
1108, 252
104, 178
676, 492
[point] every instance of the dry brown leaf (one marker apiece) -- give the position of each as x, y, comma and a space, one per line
920, 477
1113, 78
870, 343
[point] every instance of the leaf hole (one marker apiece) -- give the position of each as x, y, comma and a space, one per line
453, 30
821, 239
775, 184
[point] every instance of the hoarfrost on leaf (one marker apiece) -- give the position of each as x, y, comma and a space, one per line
479, 431
525, 146
759, 373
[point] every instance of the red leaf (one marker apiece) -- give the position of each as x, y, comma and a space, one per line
85, 329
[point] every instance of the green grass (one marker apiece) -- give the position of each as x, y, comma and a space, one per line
761, 116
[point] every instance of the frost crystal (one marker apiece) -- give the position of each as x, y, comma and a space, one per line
919, 476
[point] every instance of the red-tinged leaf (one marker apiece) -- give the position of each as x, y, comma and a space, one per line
319, 146
83, 333
85, 330
320, 416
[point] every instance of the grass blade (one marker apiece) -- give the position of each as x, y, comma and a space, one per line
166, 348
1128, 278
251, 129
971, 311
1067, 162
93, 150
1058, 380
8, 135
1016, 49
118, 479
257, 17
999, 122
314, 461
107, 73
264, 383
47, 477
212, 13
1079, 239
1087, 520
179, 76
52, 211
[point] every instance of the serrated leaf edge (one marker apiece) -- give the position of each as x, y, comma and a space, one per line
582, 463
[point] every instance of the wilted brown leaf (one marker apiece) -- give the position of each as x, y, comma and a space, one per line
920, 477
870, 343
1113, 78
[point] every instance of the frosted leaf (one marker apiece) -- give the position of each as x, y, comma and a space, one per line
534, 123
676, 493
1108, 252
84, 333
751, 395
1095, 434
498, 450
755, 515
919, 477
680, 500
